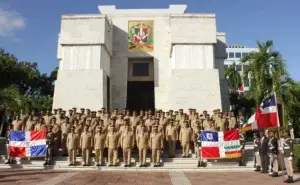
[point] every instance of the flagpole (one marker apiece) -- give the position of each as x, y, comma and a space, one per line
279, 131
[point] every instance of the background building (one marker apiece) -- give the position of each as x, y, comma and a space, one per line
234, 55
141, 58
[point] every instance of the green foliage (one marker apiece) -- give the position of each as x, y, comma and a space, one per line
296, 161
241, 104
22, 86
234, 78
267, 73
265, 68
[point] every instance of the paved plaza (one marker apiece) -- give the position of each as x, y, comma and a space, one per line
52, 177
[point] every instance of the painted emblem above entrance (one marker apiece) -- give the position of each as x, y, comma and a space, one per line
140, 36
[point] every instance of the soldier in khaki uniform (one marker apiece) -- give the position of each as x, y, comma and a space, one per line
232, 121
40, 124
171, 137
185, 138
86, 145
156, 145
288, 156
142, 140
206, 122
65, 129
196, 137
127, 144
18, 124
72, 143
99, 145
30, 124
112, 143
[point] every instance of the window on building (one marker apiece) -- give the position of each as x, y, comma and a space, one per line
140, 69
231, 55
244, 54
226, 55
238, 67
238, 55
246, 81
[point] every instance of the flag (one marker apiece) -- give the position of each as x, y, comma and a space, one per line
266, 115
27, 144
246, 127
216, 145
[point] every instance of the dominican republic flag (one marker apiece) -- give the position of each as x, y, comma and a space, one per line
266, 116
216, 145
27, 144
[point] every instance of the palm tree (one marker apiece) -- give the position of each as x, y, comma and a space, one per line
265, 68
233, 77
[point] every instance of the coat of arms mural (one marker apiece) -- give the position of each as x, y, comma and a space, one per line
140, 36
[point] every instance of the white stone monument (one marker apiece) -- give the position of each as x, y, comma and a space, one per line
141, 58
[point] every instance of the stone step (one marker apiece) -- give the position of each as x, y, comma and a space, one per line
133, 168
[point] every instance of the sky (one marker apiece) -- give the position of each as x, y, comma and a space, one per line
29, 28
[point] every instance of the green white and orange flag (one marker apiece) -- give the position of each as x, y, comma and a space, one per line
216, 145
248, 126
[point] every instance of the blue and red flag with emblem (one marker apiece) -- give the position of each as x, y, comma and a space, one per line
266, 115
27, 144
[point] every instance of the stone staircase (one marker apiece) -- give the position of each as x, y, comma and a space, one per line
168, 164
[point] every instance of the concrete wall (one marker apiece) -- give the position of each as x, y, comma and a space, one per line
192, 56
79, 88
195, 88
193, 28
84, 52
98, 44
81, 57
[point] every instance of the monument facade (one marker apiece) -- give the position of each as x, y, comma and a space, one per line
141, 58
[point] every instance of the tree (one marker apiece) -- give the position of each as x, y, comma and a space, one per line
291, 100
265, 68
233, 77
23, 86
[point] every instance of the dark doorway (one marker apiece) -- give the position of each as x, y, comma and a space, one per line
140, 95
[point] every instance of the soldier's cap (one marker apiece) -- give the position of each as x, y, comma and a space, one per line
88, 109
82, 109
286, 131
176, 111
54, 109
171, 110
63, 111
102, 108
70, 110
116, 109
74, 108
190, 109
93, 112
180, 109
59, 109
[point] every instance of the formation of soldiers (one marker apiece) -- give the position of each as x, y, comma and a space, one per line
267, 152
110, 134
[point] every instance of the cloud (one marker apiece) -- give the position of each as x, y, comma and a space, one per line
10, 22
